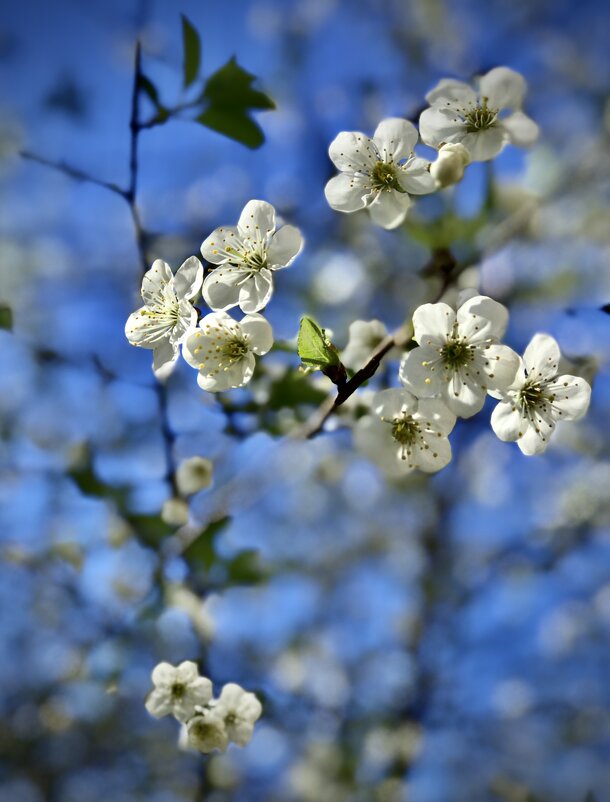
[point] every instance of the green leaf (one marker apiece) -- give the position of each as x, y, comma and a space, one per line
229, 99
314, 347
202, 550
191, 48
152, 93
6, 317
245, 568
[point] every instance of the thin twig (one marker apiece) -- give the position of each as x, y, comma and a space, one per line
73, 172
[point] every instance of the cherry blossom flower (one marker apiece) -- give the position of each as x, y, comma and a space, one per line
248, 255
239, 710
459, 356
538, 398
223, 350
178, 690
206, 731
379, 174
168, 312
364, 337
194, 474
403, 432
478, 119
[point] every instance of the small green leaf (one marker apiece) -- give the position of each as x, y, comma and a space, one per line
245, 568
191, 48
229, 99
152, 93
313, 346
202, 550
6, 317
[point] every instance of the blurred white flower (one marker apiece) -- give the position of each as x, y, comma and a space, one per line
222, 350
404, 432
175, 512
178, 690
167, 314
364, 337
239, 710
206, 731
459, 357
530, 408
460, 114
450, 164
380, 173
248, 254
194, 474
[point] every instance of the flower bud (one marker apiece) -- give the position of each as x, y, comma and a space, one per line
449, 166
175, 512
194, 474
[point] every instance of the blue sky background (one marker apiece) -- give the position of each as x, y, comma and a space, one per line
432, 640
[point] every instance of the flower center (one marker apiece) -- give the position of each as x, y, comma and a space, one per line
230, 718
383, 177
405, 431
532, 396
235, 349
255, 260
480, 118
178, 690
456, 354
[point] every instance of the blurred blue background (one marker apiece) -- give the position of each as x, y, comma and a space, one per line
442, 640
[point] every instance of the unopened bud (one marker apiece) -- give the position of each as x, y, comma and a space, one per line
175, 512
194, 474
449, 166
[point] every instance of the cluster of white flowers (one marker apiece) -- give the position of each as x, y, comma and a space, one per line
208, 723
458, 361
219, 347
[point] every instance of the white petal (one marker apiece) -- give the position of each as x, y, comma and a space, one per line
521, 129
389, 209
374, 439
188, 278
241, 732
437, 413
507, 422
439, 125
572, 397
155, 279
504, 88
347, 192
137, 329
236, 375
436, 456
541, 357
159, 703
259, 333
199, 690
432, 323
352, 151
463, 396
485, 145
456, 92
393, 403
499, 364
533, 442
221, 287
214, 248
256, 292
187, 671
256, 215
285, 246
481, 317
165, 356
163, 674
416, 374
395, 139
415, 177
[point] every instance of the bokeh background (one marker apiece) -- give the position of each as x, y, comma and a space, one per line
431, 640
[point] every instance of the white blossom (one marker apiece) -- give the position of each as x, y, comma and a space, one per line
168, 312
194, 474
364, 337
460, 356
404, 432
175, 512
479, 118
380, 173
206, 731
248, 255
178, 690
239, 710
223, 350
450, 164
530, 408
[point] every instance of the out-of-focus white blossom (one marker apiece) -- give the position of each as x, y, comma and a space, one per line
364, 337
379, 174
248, 254
175, 512
239, 710
206, 731
477, 118
168, 312
194, 474
538, 398
223, 350
450, 164
460, 357
178, 690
